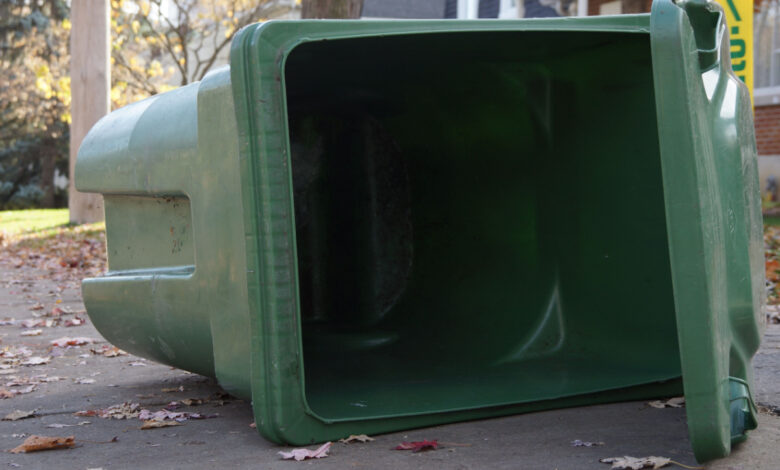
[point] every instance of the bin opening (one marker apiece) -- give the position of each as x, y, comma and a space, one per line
479, 220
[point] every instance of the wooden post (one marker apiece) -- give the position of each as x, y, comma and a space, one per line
350, 9
90, 85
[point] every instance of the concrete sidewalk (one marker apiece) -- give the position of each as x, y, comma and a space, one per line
532, 441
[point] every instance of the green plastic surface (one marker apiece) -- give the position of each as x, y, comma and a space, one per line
370, 226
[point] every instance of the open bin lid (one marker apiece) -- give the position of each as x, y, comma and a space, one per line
708, 160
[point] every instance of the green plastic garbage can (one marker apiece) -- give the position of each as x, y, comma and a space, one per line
370, 226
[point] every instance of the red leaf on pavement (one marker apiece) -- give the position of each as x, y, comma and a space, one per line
418, 446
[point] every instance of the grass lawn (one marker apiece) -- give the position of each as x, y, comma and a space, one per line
773, 221
13, 223
33, 228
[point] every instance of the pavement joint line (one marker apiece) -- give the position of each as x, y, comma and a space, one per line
64, 412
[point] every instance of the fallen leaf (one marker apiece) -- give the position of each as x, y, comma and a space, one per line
27, 389
356, 438
75, 321
124, 410
108, 351
253, 425
192, 401
37, 306
418, 446
7, 321
772, 270
154, 423
173, 389
18, 414
145, 415
58, 426
36, 361
579, 443
676, 402
84, 381
137, 363
66, 341
37, 443
31, 333
302, 454
633, 463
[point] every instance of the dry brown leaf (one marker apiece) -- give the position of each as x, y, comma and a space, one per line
676, 402
32, 323
301, 454
173, 389
31, 333
75, 321
38, 443
191, 401
125, 410
66, 341
18, 414
58, 425
108, 351
155, 423
579, 443
636, 463
356, 438
36, 361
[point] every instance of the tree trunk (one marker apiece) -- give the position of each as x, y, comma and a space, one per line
332, 9
90, 76
47, 177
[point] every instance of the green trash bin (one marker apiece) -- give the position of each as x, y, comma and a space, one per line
370, 226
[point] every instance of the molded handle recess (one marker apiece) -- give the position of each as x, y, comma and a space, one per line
708, 25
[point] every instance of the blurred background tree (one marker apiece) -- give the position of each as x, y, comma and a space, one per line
156, 45
34, 101
161, 44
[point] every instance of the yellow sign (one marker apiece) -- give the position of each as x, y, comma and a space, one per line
739, 17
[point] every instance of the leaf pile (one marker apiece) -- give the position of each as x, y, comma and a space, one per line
772, 259
65, 253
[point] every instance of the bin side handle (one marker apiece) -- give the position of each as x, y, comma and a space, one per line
708, 25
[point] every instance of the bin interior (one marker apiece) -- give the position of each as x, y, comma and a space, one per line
479, 220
